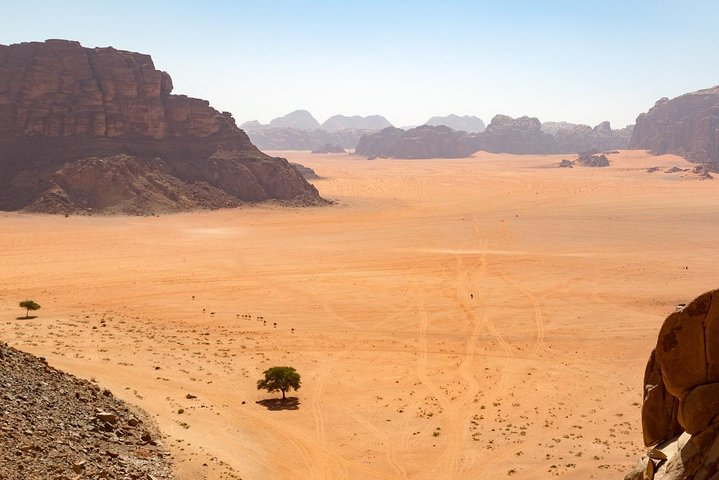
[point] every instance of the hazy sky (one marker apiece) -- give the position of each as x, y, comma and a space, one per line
579, 61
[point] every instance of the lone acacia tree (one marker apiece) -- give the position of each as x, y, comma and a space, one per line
279, 379
29, 305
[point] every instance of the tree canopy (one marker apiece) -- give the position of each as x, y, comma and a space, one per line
29, 305
279, 379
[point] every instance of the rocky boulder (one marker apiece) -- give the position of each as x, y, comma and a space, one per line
680, 411
687, 125
93, 129
420, 142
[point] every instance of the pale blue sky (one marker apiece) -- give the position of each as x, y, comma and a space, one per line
579, 61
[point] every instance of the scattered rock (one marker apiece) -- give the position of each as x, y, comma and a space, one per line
592, 160
45, 433
566, 163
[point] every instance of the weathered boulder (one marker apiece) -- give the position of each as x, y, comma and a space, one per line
682, 370
659, 408
61, 103
687, 125
688, 345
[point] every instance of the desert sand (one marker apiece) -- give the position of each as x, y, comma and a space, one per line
487, 317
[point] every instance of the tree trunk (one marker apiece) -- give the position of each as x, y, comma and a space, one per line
283, 395
27, 313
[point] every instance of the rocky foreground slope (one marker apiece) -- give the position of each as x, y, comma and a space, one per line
680, 412
56, 426
97, 130
687, 125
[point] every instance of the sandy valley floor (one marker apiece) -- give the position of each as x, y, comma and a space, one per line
451, 319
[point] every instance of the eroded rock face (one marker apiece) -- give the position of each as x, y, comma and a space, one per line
522, 135
583, 138
687, 125
681, 394
61, 103
420, 142
465, 123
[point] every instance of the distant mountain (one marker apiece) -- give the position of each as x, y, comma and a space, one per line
425, 141
299, 119
687, 125
466, 123
521, 135
355, 122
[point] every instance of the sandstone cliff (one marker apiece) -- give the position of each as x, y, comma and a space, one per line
687, 125
96, 129
680, 412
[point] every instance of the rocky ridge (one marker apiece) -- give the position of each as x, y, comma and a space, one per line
420, 142
583, 138
56, 426
680, 411
70, 115
687, 125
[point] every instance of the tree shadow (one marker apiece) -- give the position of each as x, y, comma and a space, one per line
26, 318
291, 403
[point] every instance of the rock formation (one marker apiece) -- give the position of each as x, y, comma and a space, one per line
466, 123
53, 425
341, 122
329, 148
680, 412
687, 125
583, 138
299, 119
96, 129
420, 142
522, 135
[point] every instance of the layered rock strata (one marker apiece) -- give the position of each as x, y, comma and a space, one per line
98, 129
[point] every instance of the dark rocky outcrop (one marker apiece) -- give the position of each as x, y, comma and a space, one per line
337, 123
522, 135
466, 123
97, 130
54, 425
299, 119
329, 148
420, 142
680, 411
583, 138
687, 125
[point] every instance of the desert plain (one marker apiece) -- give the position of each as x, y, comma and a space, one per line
487, 317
